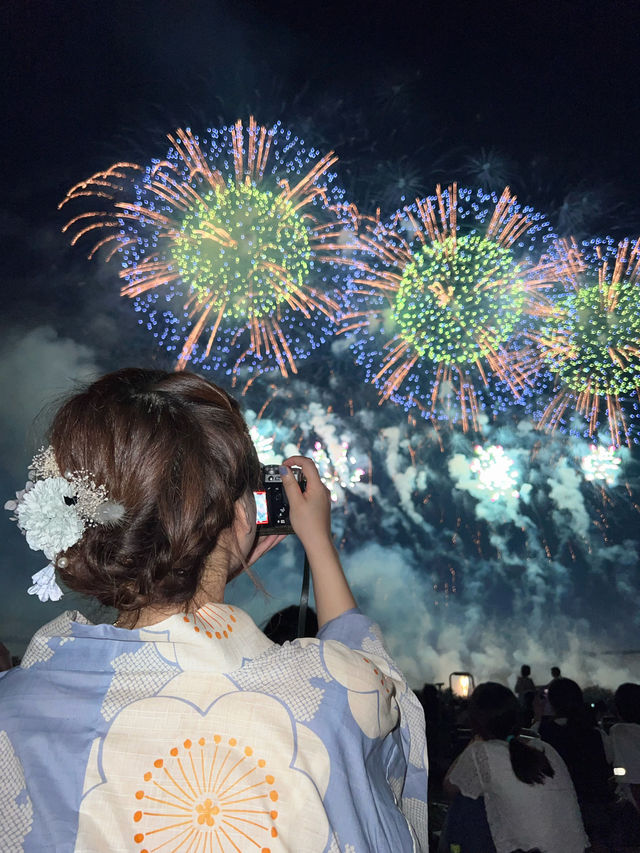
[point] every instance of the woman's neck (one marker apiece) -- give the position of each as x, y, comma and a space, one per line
210, 591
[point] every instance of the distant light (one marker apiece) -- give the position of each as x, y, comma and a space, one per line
619, 771
461, 684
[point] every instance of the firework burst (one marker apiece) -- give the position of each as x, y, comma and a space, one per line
490, 168
337, 467
591, 341
601, 464
262, 443
495, 471
449, 283
228, 245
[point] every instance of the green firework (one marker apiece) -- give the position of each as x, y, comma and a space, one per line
446, 305
244, 247
598, 335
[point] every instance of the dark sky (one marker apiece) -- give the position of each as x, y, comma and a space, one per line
408, 95
555, 82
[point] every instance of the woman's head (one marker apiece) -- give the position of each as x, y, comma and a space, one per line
627, 699
493, 711
566, 699
174, 450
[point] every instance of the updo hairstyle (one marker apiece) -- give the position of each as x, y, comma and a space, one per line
174, 449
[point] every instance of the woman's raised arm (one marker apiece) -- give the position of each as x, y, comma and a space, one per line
310, 515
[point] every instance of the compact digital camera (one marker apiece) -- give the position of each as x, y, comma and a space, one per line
272, 505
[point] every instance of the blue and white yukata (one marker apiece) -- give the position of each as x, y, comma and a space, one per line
200, 735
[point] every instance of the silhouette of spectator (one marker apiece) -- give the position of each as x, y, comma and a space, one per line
525, 690
439, 734
573, 734
541, 705
624, 739
528, 795
524, 684
282, 627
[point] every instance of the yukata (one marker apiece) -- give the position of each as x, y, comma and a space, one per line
200, 735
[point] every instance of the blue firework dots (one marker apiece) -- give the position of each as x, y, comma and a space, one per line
240, 254
231, 246
441, 298
590, 344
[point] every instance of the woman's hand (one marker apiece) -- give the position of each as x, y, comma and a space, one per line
309, 511
310, 516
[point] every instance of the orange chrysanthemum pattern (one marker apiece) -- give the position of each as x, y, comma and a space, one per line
212, 621
211, 795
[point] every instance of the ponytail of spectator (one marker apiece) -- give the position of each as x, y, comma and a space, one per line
493, 710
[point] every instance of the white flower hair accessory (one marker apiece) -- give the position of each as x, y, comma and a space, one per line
54, 510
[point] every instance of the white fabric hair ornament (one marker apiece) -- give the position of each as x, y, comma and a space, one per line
53, 511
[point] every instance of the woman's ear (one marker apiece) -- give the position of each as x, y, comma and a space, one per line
242, 533
245, 520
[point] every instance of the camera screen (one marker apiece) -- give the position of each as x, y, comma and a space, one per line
262, 515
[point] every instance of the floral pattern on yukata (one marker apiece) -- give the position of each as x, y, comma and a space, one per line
58, 631
371, 693
16, 811
286, 672
137, 675
226, 779
221, 626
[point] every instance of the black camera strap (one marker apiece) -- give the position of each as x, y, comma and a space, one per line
304, 599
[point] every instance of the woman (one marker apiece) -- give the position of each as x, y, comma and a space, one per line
181, 726
624, 744
573, 734
529, 799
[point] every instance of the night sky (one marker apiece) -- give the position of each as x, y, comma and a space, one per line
542, 96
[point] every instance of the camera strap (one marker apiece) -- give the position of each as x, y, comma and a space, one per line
304, 599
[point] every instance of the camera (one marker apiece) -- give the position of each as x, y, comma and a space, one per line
272, 506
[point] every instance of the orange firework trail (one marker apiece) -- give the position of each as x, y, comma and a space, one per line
591, 342
247, 253
454, 292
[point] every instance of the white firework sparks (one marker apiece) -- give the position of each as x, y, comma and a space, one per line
337, 467
601, 464
495, 472
262, 443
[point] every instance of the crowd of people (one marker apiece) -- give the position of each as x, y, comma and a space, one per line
537, 768
181, 725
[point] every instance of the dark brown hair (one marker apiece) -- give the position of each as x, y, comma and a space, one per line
494, 711
174, 449
627, 699
566, 699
